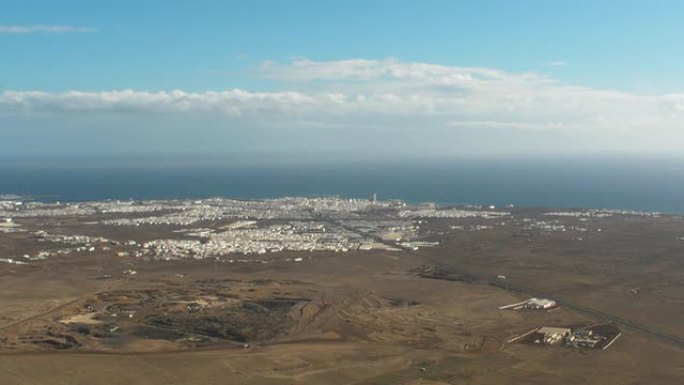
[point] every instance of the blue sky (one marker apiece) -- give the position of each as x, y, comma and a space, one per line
587, 76
196, 45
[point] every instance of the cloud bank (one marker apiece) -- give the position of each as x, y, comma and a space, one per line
432, 107
43, 28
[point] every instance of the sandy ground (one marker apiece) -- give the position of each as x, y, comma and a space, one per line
357, 318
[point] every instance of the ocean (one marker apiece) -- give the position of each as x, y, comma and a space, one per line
634, 185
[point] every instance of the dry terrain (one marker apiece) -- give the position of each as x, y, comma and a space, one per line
429, 316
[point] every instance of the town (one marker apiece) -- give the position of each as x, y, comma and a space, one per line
242, 226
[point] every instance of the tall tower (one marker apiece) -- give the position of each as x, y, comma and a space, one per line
373, 198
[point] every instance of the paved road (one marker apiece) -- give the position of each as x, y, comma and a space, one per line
677, 340
509, 285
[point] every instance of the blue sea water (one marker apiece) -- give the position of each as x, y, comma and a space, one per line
635, 185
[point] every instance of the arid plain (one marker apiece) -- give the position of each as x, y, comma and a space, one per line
393, 315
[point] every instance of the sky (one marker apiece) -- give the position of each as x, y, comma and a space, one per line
307, 81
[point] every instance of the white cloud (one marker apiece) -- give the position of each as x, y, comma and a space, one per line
42, 28
395, 96
556, 63
373, 70
233, 102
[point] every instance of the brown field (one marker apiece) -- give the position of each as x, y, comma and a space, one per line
365, 317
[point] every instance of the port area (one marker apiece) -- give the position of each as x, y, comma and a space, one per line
593, 337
